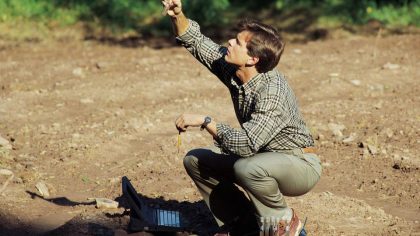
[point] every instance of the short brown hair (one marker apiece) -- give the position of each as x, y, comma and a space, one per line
265, 43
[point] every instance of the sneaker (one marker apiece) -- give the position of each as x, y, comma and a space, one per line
292, 228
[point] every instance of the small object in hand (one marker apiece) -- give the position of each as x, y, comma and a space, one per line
165, 3
178, 144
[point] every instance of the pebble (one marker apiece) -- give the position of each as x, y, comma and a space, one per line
297, 51
326, 164
18, 180
327, 193
78, 72
86, 101
5, 172
389, 133
372, 149
114, 180
356, 82
106, 203
391, 66
350, 138
378, 105
4, 143
101, 65
336, 129
43, 189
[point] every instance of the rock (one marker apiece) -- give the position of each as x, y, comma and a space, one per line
106, 203
43, 189
5, 144
350, 138
365, 152
5, 172
297, 51
336, 129
389, 133
378, 105
115, 180
391, 66
372, 149
86, 101
327, 193
18, 180
334, 74
101, 65
326, 164
356, 82
78, 72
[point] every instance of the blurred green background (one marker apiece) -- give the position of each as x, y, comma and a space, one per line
144, 17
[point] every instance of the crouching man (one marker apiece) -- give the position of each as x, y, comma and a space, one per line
272, 154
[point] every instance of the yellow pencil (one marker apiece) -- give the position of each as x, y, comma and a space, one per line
178, 145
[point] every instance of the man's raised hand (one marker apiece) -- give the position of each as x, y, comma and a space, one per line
172, 7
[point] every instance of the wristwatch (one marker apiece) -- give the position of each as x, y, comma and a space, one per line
207, 121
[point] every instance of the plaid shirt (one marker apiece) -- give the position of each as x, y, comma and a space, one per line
265, 106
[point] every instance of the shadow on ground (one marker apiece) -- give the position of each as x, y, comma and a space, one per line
104, 223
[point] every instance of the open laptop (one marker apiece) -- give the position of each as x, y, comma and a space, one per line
149, 219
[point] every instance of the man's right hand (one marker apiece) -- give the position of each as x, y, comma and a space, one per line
174, 7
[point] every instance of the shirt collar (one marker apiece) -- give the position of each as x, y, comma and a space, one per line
251, 85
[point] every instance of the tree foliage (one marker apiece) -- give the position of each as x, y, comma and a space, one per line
143, 15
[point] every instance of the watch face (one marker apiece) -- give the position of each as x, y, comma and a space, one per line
207, 120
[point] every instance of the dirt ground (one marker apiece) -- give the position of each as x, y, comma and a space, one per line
79, 115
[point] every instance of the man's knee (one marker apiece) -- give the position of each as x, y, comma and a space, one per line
191, 159
246, 169
190, 162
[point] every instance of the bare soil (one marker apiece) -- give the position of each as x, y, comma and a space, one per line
79, 115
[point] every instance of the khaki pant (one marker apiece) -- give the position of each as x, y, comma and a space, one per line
266, 178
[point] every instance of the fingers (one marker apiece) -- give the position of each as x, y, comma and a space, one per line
180, 124
166, 7
171, 7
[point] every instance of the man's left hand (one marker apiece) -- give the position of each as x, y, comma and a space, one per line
186, 120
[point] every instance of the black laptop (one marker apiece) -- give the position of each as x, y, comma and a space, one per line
150, 219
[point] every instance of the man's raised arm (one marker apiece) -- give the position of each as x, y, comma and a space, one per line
174, 9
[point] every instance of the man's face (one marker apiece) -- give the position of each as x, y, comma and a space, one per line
237, 53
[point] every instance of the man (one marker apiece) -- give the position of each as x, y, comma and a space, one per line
272, 154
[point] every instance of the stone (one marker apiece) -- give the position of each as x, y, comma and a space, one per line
101, 65
78, 72
297, 51
42, 189
326, 164
106, 203
372, 149
350, 138
391, 66
86, 101
336, 129
378, 105
5, 144
5, 172
18, 180
356, 82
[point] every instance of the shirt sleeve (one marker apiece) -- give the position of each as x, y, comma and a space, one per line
207, 52
266, 122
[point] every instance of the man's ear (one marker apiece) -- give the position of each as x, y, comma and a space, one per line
252, 61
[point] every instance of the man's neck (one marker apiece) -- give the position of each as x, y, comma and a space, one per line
245, 74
